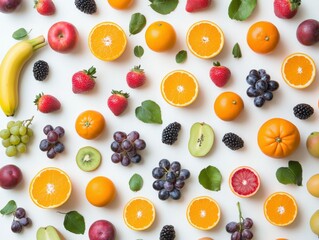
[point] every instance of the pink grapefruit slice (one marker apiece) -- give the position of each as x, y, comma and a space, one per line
244, 181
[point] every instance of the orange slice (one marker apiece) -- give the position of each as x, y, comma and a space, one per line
179, 88
107, 41
280, 209
50, 188
205, 39
203, 213
298, 70
139, 213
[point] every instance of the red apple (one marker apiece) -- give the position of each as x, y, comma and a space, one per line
62, 37
102, 230
10, 176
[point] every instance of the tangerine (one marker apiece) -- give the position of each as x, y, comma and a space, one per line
89, 124
228, 105
120, 4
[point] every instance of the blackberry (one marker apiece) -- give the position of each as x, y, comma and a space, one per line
303, 111
86, 6
40, 70
167, 233
170, 133
233, 141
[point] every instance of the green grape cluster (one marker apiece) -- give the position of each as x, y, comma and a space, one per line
16, 136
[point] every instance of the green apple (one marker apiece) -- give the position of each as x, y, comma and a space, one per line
48, 233
313, 144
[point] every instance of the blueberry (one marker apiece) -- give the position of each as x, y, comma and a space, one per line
261, 72
158, 172
259, 101
254, 72
252, 92
265, 77
252, 79
273, 85
261, 85
268, 96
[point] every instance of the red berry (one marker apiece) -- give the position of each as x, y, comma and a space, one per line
197, 5
286, 9
219, 74
136, 77
83, 81
45, 7
47, 103
117, 102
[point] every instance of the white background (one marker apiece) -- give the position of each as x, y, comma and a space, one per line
111, 75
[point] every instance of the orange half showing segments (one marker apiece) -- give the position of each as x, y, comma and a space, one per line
205, 39
107, 41
50, 188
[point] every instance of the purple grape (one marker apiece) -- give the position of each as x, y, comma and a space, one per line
20, 213
132, 152
273, 85
236, 236
252, 79
254, 72
179, 184
175, 194
252, 92
125, 161
16, 226
259, 101
158, 172
52, 137
247, 234
165, 164
132, 136
171, 177
265, 77
163, 194
175, 166
44, 145
119, 136
58, 147
51, 153
136, 158
47, 129
261, 85
60, 131
248, 223
126, 145
168, 186
116, 147
261, 72
184, 174
25, 221
158, 184
268, 96
232, 227
140, 144
116, 157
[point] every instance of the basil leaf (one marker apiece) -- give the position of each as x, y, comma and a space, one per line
285, 176
236, 51
296, 168
149, 112
9, 208
20, 34
136, 182
181, 56
210, 178
241, 9
138, 51
137, 23
163, 6
74, 222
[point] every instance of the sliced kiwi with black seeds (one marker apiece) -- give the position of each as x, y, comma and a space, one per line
88, 158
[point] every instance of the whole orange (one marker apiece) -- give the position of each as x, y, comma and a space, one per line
160, 36
89, 124
228, 105
263, 37
100, 191
120, 4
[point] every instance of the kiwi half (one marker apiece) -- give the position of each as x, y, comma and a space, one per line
201, 139
88, 158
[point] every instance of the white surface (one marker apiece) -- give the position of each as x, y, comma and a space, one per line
111, 75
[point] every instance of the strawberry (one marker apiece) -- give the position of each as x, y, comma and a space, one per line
47, 103
83, 81
117, 102
219, 74
135, 77
286, 8
197, 5
45, 7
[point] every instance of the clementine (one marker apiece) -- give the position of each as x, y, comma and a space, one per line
89, 124
120, 4
228, 105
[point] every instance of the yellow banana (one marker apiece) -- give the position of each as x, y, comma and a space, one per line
10, 69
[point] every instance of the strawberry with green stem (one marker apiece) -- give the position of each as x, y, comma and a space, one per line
83, 81
117, 102
219, 74
286, 9
47, 103
136, 77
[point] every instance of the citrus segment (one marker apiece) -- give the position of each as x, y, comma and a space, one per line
107, 41
205, 39
244, 182
298, 70
280, 209
179, 88
50, 188
203, 213
139, 213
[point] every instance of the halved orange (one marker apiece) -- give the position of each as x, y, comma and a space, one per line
298, 70
280, 209
139, 213
107, 41
179, 88
203, 213
205, 39
50, 188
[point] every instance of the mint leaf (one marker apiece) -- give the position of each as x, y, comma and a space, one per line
138, 51
149, 112
181, 56
137, 23
236, 51
20, 34
74, 222
210, 178
291, 174
136, 182
9, 208
163, 6
241, 9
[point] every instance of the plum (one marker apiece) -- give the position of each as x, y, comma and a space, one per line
7, 6
10, 176
308, 32
102, 230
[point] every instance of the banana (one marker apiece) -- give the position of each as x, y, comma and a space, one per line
10, 69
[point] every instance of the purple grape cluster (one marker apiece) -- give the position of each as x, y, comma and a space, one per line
170, 179
261, 86
52, 144
126, 147
20, 220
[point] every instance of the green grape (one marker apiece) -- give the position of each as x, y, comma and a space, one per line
14, 130
6, 142
30, 132
5, 133
10, 124
18, 123
11, 151
25, 138
23, 130
22, 148
14, 140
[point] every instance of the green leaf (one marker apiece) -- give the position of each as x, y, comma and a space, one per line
9, 208
20, 34
138, 51
137, 23
163, 6
74, 222
181, 56
291, 174
210, 178
236, 51
136, 182
241, 9
149, 112
296, 168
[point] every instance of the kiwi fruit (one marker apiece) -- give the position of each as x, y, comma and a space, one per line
201, 139
88, 158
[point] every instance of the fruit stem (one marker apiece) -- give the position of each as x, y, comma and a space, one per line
28, 121
37, 42
240, 216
